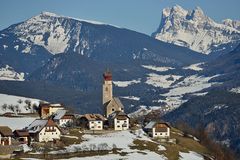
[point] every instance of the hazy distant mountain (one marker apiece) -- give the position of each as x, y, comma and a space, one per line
195, 30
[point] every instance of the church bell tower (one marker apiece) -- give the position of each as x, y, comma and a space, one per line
107, 87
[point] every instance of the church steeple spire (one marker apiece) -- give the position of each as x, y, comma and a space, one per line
107, 86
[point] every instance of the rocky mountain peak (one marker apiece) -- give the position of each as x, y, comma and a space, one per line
195, 30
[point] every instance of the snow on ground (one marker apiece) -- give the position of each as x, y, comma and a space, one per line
235, 90
122, 140
164, 81
131, 98
133, 156
190, 156
155, 68
195, 67
8, 73
190, 84
16, 122
17, 100
126, 83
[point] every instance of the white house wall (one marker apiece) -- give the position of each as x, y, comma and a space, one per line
44, 136
161, 134
118, 124
95, 125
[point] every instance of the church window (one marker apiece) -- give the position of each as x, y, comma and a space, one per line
106, 89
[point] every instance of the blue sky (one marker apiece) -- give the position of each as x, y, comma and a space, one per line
139, 15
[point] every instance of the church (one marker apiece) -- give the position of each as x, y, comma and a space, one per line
111, 104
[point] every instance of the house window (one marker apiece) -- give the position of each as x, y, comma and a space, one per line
92, 127
52, 132
112, 109
118, 126
160, 133
44, 133
99, 122
155, 133
118, 121
125, 121
40, 133
56, 132
92, 122
106, 89
99, 126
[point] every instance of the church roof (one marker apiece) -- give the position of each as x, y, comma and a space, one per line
119, 115
117, 101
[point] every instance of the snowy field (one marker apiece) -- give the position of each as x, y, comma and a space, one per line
155, 68
17, 101
16, 122
125, 83
190, 156
8, 73
122, 140
195, 67
164, 81
235, 90
131, 98
190, 84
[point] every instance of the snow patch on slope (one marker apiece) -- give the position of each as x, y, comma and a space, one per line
190, 156
235, 90
126, 83
17, 101
155, 68
164, 81
195, 67
8, 73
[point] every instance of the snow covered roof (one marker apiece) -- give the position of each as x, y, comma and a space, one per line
37, 125
59, 114
150, 125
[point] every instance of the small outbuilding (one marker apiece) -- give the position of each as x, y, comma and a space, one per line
5, 135
158, 129
22, 136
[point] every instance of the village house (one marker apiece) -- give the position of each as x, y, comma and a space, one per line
119, 120
92, 121
22, 136
47, 109
158, 129
44, 130
5, 135
62, 118
110, 103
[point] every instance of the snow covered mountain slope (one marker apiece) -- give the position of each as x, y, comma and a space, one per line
193, 29
28, 45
